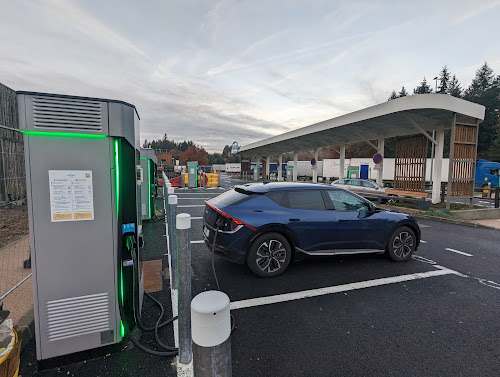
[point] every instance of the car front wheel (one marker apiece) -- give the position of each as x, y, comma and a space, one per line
402, 244
269, 255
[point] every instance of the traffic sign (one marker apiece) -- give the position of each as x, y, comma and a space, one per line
313, 162
377, 158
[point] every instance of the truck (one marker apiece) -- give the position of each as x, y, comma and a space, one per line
487, 173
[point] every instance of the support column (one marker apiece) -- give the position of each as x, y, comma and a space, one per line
380, 173
295, 160
280, 168
268, 166
315, 167
342, 161
437, 166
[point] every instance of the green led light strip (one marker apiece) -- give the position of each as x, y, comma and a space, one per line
122, 329
63, 134
117, 177
149, 188
142, 158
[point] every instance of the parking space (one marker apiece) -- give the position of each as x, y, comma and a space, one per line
366, 315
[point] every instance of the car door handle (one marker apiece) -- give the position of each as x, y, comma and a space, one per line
293, 219
343, 221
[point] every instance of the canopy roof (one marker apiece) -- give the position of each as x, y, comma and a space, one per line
399, 117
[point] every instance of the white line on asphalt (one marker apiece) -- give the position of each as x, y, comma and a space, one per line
196, 218
193, 205
423, 241
452, 271
459, 252
335, 289
198, 241
422, 259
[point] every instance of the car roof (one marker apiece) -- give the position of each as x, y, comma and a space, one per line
263, 187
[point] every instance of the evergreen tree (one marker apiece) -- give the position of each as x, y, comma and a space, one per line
403, 92
422, 88
444, 80
485, 90
454, 88
393, 95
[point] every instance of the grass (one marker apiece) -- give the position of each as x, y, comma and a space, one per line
439, 206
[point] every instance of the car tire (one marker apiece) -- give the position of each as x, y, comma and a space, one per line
402, 244
269, 255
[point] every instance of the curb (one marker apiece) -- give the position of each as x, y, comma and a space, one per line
418, 215
25, 328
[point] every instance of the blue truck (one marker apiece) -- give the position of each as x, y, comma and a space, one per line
487, 173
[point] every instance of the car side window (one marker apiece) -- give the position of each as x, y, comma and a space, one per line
354, 182
340, 182
305, 199
494, 171
345, 201
368, 184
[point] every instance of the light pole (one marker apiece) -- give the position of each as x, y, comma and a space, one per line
436, 79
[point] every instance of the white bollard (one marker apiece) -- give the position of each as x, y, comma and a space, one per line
211, 331
170, 191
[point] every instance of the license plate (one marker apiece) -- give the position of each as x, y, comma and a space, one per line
206, 232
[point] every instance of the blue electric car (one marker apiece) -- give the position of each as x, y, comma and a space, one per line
266, 225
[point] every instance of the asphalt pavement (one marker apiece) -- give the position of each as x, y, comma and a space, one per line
435, 315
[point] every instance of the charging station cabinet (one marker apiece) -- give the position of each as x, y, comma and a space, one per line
192, 171
83, 203
149, 164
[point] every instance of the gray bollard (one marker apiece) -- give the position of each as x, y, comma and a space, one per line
184, 294
172, 239
211, 326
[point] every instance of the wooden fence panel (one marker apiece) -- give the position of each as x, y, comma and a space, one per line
410, 163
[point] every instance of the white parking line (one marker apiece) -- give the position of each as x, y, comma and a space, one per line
193, 198
423, 241
336, 289
198, 241
196, 218
193, 205
459, 252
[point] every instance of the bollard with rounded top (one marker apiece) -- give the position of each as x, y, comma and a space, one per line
172, 239
183, 239
211, 329
170, 191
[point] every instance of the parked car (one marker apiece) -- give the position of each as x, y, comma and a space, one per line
363, 187
266, 225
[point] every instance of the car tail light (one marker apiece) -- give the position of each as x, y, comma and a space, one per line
231, 222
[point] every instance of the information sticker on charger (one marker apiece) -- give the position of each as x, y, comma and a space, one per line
206, 232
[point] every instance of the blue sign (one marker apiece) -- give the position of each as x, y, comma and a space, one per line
313, 162
235, 147
128, 228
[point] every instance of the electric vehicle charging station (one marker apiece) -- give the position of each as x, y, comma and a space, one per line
149, 183
192, 168
82, 158
289, 174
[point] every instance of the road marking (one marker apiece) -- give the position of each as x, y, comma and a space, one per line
424, 226
422, 259
423, 241
336, 289
193, 205
198, 241
196, 218
459, 252
489, 283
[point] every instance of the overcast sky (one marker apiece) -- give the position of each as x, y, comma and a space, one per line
218, 71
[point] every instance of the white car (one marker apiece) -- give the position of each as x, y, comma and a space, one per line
363, 187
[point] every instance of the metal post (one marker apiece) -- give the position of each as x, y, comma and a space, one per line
184, 298
497, 197
280, 168
438, 165
183, 177
211, 324
172, 241
342, 161
295, 162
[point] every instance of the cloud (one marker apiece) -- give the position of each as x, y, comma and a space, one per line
476, 11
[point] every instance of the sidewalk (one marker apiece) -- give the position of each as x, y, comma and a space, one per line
492, 223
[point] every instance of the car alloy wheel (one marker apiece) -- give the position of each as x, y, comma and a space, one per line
270, 256
403, 244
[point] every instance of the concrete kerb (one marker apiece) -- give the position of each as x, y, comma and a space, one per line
418, 214
25, 328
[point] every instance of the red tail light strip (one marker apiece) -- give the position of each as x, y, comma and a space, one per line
235, 220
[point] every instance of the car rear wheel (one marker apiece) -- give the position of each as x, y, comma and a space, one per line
269, 255
401, 244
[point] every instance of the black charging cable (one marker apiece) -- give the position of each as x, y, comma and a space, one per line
219, 224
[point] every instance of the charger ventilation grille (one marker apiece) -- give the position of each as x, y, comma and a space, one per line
77, 316
67, 114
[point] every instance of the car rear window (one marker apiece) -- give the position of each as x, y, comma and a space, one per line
276, 196
305, 199
232, 197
